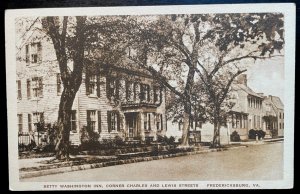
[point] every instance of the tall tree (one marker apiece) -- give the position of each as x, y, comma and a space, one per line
57, 31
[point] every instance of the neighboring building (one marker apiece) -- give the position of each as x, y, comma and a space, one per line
277, 108
118, 101
251, 110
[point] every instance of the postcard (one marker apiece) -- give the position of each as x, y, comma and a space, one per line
151, 97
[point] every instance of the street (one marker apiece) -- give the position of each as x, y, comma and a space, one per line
256, 162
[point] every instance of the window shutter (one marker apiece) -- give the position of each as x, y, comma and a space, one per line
27, 54
28, 89
41, 86
161, 122
39, 52
108, 87
87, 82
109, 121
99, 121
98, 86
118, 121
88, 118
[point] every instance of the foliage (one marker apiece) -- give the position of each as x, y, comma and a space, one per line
235, 137
89, 139
259, 133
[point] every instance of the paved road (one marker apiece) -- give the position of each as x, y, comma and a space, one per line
258, 162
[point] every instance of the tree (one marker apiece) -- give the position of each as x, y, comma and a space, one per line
57, 31
209, 48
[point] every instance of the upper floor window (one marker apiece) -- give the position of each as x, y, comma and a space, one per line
145, 92
280, 115
28, 83
129, 91
93, 84
157, 94
37, 86
33, 53
113, 87
19, 91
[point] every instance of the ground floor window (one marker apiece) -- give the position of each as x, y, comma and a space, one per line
158, 120
20, 122
29, 122
91, 119
38, 117
73, 121
147, 121
113, 120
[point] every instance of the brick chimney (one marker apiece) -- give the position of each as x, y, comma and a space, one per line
242, 79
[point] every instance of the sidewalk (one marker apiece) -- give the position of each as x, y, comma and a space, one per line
35, 167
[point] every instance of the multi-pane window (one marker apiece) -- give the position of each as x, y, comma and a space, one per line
91, 119
29, 122
113, 88
156, 96
145, 92
113, 120
37, 118
147, 121
73, 121
129, 91
58, 84
19, 91
37, 86
35, 49
158, 119
93, 84
28, 85
20, 122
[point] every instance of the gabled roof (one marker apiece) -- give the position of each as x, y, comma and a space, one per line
277, 102
246, 89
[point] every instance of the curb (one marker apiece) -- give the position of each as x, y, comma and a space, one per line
32, 174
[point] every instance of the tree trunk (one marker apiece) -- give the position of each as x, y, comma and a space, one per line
64, 123
185, 130
216, 138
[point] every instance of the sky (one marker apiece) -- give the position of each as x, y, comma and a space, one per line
267, 76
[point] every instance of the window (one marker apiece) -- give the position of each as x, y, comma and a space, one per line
37, 86
93, 84
198, 124
156, 94
58, 84
145, 92
113, 86
129, 91
35, 51
29, 122
19, 91
147, 121
113, 119
28, 88
37, 117
73, 121
27, 54
91, 119
20, 122
158, 118
280, 115
279, 125
99, 121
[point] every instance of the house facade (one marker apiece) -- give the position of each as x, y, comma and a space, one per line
115, 101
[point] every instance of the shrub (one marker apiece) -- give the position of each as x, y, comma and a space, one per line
89, 139
261, 134
252, 134
235, 137
119, 141
171, 140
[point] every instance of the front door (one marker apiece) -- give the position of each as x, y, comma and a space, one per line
131, 124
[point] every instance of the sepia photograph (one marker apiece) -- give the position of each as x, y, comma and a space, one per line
152, 97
